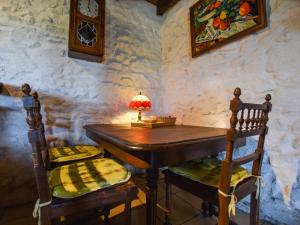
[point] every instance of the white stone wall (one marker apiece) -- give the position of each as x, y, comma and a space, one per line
33, 49
198, 92
152, 54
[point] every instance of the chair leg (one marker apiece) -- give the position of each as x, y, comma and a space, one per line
254, 210
212, 210
208, 209
45, 216
205, 208
106, 212
223, 218
168, 202
128, 211
56, 221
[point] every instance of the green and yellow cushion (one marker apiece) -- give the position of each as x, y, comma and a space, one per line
80, 178
207, 171
71, 153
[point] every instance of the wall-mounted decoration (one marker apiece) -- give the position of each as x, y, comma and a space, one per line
87, 28
217, 22
163, 5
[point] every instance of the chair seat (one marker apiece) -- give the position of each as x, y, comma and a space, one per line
81, 178
72, 153
207, 171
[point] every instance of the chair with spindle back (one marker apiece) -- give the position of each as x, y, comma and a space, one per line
61, 155
73, 188
223, 183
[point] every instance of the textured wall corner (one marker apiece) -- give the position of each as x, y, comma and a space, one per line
33, 49
152, 54
261, 63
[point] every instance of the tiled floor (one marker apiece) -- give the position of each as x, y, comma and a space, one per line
186, 211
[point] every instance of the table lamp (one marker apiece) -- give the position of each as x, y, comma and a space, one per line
140, 102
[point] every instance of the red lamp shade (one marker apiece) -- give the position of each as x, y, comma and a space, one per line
140, 102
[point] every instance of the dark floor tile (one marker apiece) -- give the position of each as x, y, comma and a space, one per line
21, 221
140, 181
18, 215
186, 211
161, 175
242, 218
161, 189
84, 218
190, 198
175, 189
200, 220
138, 217
181, 211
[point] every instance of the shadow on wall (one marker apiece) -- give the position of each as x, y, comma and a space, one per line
295, 196
272, 200
16, 185
63, 121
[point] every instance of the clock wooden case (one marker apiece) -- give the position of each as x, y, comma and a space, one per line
87, 29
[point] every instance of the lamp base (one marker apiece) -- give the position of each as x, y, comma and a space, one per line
151, 125
140, 116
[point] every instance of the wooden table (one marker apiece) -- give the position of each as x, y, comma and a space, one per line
154, 148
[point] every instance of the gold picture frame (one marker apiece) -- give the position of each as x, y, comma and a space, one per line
218, 22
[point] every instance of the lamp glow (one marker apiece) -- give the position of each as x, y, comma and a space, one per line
140, 102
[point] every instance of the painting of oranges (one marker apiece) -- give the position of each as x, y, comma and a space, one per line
216, 22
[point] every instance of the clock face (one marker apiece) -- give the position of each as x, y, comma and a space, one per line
87, 33
88, 8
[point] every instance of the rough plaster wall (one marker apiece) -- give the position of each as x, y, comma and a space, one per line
33, 44
33, 49
198, 92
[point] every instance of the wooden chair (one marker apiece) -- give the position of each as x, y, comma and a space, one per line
1, 87
62, 155
223, 183
73, 188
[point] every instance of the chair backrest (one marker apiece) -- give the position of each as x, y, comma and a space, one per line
247, 119
1, 87
36, 136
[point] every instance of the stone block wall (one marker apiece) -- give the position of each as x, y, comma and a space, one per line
33, 49
261, 63
152, 54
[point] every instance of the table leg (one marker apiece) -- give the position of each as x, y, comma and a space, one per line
152, 179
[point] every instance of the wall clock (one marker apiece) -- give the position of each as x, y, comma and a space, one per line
86, 30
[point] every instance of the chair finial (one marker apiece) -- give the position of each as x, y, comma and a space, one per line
35, 95
237, 92
268, 97
26, 89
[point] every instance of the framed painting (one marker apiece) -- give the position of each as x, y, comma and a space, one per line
217, 22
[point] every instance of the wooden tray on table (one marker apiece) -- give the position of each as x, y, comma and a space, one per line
153, 123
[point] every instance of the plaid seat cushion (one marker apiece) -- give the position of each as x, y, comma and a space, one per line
207, 171
71, 153
81, 178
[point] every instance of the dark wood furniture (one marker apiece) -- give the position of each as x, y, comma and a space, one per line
247, 120
87, 29
154, 148
52, 207
163, 5
53, 163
